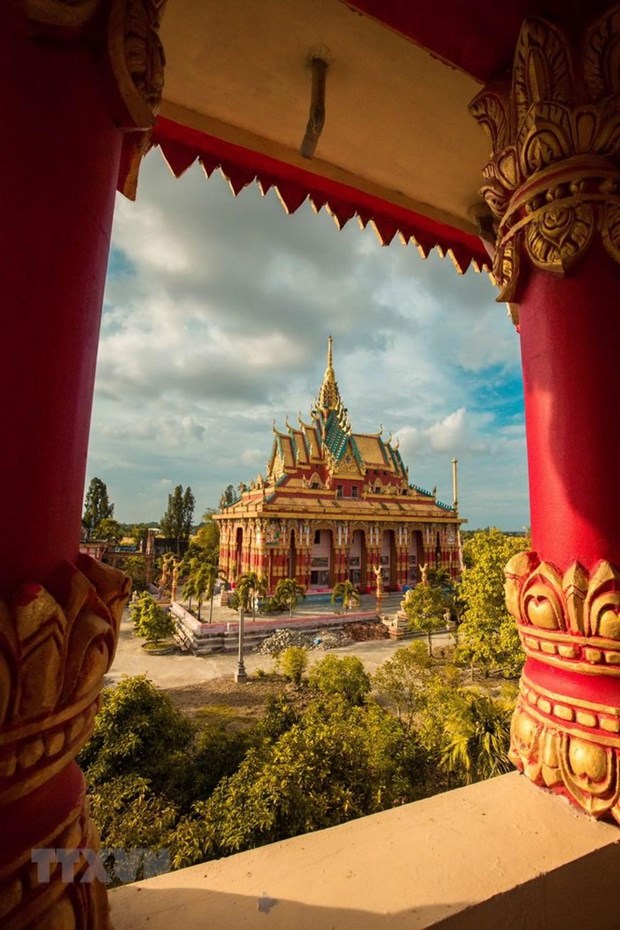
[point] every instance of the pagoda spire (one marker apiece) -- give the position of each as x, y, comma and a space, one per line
328, 399
329, 396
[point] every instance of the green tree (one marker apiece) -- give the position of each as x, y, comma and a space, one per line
138, 730
293, 663
150, 620
250, 586
97, 506
139, 533
488, 636
176, 522
135, 567
204, 577
337, 763
477, 737
345, 676
346, 592
425, 606
288, 593
228, 497
110, 530
403, 680
207, 538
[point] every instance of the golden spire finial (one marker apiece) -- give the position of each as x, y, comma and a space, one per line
329, 396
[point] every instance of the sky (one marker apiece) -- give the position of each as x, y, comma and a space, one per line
216, 317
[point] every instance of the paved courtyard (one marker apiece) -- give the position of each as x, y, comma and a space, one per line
184, 668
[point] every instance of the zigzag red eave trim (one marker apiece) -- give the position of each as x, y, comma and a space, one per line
182, 146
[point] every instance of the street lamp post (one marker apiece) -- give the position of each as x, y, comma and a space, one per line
241, 675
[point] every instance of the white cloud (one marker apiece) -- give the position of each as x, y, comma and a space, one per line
216, 319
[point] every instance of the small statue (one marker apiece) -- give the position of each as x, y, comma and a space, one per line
424, 574
175, 580
379, 576
164, 581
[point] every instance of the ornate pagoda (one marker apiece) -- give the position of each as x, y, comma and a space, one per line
336, 505
369, 109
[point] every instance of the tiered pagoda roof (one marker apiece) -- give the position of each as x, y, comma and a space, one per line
322, 467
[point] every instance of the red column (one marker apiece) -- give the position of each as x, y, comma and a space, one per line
570, 363
58, 173
59, 162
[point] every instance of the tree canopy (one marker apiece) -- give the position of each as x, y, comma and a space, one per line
425, 606
176, 522
488, 636
228, 496
97, 506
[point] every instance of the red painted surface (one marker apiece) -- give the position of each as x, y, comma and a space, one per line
478, 37
601, 688
182, 146
569, 347
58, 172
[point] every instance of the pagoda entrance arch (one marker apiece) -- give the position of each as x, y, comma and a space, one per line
387, 557
357, 560
322, 559
415, 557
292, 556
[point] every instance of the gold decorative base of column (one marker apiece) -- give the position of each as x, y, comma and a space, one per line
571, 746
48, 895
56, 644
566, 727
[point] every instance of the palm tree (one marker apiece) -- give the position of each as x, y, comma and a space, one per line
213, 574
201, 583
189, 589
347, 592
251, 586
288, 592
440, 578
477, 732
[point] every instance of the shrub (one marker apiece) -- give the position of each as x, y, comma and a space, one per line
293, 663
345, 676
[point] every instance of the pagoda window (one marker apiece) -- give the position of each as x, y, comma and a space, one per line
314, 485
338, 490
317, 537
354, 492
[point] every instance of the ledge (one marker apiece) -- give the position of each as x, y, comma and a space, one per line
498, 854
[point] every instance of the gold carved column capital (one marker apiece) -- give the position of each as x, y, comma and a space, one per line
553, 181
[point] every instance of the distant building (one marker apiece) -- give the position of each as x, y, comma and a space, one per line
336, 505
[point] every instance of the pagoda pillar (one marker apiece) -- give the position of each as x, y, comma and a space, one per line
402, 565
340, 564
553, 185
68, 97
302, 562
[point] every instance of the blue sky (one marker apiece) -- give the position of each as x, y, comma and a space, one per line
216, 317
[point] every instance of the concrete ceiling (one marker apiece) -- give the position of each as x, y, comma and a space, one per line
396, 122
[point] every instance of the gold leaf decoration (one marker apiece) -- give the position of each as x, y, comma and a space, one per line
601, 60
570, 620
54, 651
556, 238
556, 144
609, 225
